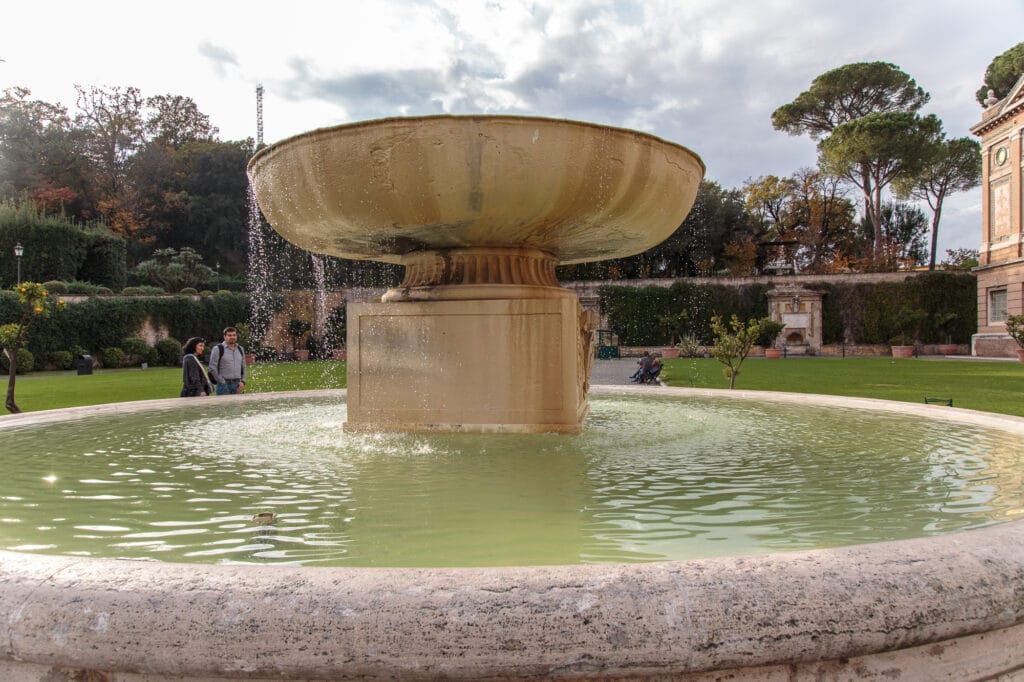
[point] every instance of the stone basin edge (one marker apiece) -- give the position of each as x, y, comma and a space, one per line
681, 618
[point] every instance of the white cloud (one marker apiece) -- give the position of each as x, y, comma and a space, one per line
701, 73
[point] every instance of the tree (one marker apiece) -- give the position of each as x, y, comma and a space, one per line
951, 166
39, 154
904, 227
1002, 74
35, 302
846, 94
809, 213
174, 270
733, 342
174, 120
874, 150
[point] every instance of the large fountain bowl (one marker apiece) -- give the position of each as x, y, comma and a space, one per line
381, 189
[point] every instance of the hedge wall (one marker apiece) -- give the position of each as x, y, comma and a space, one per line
58, 249
104, 322
855, 313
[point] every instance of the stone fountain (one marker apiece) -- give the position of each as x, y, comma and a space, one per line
479, 336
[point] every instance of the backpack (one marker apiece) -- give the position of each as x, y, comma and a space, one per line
223, 348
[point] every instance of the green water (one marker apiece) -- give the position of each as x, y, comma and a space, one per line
650, 479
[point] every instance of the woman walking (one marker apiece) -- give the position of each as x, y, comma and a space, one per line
194, 379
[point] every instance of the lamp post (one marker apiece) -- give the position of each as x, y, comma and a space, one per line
19, 251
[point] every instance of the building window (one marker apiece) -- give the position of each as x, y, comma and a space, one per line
997, 306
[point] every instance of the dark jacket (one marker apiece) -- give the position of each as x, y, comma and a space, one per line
193, 379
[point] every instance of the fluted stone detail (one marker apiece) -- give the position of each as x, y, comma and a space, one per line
522, 267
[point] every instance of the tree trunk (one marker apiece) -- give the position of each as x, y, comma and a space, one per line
12, 364
936, 212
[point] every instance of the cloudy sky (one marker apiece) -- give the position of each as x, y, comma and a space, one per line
701, 73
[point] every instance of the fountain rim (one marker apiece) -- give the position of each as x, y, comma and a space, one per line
1005, 422
841, 606
356, 125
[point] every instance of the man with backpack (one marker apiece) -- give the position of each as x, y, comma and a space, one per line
227, 364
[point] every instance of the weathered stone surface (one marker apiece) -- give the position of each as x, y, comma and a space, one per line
382, 189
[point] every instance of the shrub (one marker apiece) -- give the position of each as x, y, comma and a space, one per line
136, 351
55, 286
168, 350
62, 359
189, 291
132, 291
206, 292
25, 361
689, 346
87, 288
152, 357
103, 291
112, 357
134, 346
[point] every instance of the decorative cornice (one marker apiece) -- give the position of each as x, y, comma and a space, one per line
1002, 110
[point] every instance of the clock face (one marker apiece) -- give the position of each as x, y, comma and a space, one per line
1001, 155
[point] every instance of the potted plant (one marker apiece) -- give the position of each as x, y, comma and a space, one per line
943, 321
908, 323
770, 330
297, 329
334, 333
674, 324
244, 330
1015, 328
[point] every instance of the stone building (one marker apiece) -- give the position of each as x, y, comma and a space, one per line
1001, 261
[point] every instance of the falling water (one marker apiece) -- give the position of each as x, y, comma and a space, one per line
319, 294
259, 272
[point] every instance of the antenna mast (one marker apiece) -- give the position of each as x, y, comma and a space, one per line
259, 115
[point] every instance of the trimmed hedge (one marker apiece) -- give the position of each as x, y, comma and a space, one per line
105, 322
855, 313
58, 249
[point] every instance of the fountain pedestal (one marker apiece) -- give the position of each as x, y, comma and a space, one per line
479, 340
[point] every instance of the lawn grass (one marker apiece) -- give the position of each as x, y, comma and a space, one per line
52, 390
978, 385
974, 384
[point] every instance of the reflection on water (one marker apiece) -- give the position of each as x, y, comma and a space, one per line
649, 479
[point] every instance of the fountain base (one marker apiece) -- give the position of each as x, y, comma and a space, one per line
477, 340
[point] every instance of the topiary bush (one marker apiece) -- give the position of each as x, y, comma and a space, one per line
84, 288
189, 291
132, 291
26, 361
169, 351
62, 359
104, 291
112, 357
55, 286
135, 350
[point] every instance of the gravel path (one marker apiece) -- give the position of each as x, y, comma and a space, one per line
615, 371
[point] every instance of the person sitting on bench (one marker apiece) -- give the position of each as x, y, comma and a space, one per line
645, 366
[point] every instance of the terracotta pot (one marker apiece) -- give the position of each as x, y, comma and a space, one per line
339, 354
670, 352
302, 355
773, 353
1020, 354
903, 351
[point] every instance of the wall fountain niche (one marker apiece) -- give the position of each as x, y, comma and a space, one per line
480, 210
